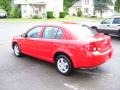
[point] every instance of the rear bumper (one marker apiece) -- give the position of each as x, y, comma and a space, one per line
95, 59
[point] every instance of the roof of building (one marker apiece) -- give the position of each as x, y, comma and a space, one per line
29, 2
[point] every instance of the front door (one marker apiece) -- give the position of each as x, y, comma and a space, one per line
115, 25
28, 43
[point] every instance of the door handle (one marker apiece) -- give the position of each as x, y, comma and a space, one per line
118, 25
108, 25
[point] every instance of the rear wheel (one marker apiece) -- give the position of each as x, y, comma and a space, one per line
106, 33
95, 28
63, 65
17, 51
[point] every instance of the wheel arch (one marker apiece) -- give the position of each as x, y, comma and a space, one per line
13, 44
63, 53
94, 27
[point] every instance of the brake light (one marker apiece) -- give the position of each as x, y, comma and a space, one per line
91, 47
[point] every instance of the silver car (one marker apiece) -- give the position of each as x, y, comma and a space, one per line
109, 26
3, 13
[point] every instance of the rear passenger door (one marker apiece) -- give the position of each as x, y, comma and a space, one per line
106, 26
49, 42
115, 25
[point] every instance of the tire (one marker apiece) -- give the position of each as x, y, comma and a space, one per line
106, 33
17, 51
63, 65
95, 28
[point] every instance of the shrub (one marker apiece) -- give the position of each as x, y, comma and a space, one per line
93, 16
15, 12
73, 14
61, 14
50, 14
36, 17
79, 13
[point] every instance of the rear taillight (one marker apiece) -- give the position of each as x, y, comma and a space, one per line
91, 47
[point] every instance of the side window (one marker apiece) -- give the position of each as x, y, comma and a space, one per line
34, 33
59, 34
52, 33
116, 21
107, 21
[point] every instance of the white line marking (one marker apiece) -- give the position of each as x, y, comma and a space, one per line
70, 86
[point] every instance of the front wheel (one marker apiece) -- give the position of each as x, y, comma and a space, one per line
95, 28
17, 51
63, 65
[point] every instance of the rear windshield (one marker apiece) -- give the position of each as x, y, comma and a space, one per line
81, 31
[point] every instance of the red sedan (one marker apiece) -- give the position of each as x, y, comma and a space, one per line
68, 46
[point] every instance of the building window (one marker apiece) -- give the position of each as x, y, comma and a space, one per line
36, 6
86, 10
39, 8
86, 2
24, 11
78, 9
36, 12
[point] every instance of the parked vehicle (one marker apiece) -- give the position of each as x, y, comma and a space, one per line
68, 46
3, 13
109, 26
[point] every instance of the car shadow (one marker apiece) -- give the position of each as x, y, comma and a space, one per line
46, 69
77, 77
37, 61
83, 73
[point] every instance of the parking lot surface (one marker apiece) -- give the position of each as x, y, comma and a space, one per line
28, 73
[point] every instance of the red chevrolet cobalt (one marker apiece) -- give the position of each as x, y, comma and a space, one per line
68, 46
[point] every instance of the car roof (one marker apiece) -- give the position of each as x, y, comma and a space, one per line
61, 24
116, 16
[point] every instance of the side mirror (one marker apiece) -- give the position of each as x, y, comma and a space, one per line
24, 35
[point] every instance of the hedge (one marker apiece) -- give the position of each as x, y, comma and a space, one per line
50, 14
61, 14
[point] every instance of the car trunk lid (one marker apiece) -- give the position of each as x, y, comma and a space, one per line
100, 43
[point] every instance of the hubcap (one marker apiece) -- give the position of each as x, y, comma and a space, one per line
16, 50
63, 65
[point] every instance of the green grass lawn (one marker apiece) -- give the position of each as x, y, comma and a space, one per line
67, 18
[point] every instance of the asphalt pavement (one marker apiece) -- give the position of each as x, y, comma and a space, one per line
28, 73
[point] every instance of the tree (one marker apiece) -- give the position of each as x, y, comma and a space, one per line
68, 4
6, 5
117, 6
101, 5
15, 12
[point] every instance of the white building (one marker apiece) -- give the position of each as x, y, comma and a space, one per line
87, 8
31, 8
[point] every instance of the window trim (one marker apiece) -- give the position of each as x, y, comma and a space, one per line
32, 29
56, 33
107, 19
113, 21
